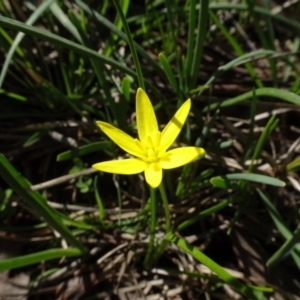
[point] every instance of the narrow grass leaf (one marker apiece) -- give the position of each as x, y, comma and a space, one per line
221, 180
237, 48
101, 208
213, 266
283, 230
77, 224
225, 144
168, 71
270, 39
32, 19
291, 64
191, 37
64, 68
34, 200
125, 86
59, 41
30, 259
205, 213
250, 145
294, 165
275, 215
199, 43
286, 249
261, 92
206, 130
271, 125
112, 28
59, 14
118, 23
265, 42
170, 37
257, 10
181, 186
242, 59
131, 45
100, 71
13, 95
191, 186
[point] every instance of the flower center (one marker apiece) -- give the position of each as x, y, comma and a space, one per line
151, 152
151, 155
150, 148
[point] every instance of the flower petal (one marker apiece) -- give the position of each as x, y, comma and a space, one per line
145, 116
173, 128
153, 174
122, 166
122, 139
180, 156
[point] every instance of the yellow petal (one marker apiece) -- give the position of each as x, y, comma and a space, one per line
180, 156
122, 139
173, 128
153, 174
145, 116
122, 166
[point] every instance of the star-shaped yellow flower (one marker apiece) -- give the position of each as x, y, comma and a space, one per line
150, 150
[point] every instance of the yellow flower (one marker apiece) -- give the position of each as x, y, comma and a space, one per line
151, 147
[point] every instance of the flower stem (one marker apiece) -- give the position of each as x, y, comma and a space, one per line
153, 220
162, 246
166, 207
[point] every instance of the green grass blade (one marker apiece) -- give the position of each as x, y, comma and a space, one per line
265, 42
99, 70
237, 48
6, 38
74, 223
257, 10
271, 33
30, 259
214, 267
65, 21
261, 92
191, 37
131, 45
118, 23
294, 165
111, 27
199, 45
32, 19
250, 136
291, 65
286, 249
13, 95
198, 182
172, 36
271, 125
269, 40
86, 149
125, 88
59, 41
284, 231
247, 177
205, 213
168, 71
101, 209
235, 62
34, 200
